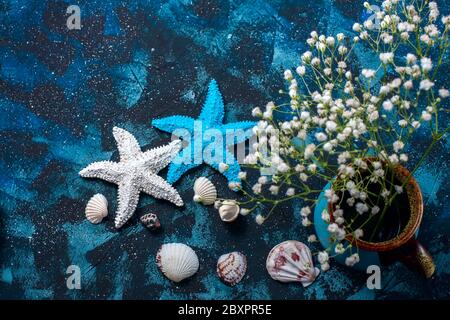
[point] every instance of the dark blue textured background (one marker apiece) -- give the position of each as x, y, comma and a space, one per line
61, 92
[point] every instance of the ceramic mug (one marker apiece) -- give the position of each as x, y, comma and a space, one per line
404, 247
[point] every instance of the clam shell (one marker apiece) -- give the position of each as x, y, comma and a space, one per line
291, 261
205, 191
229, 210
177, 261
231, 267
96, 208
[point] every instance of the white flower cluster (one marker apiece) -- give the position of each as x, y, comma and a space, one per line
339, 121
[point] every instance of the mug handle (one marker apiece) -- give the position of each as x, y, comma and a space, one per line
414, 256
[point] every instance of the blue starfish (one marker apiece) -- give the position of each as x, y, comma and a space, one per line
199, 132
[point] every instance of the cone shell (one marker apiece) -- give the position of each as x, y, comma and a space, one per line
177, 261
229, 210
231, 267
205, 191
96, 208
291, 261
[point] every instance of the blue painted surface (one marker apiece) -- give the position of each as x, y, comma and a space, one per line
61, 92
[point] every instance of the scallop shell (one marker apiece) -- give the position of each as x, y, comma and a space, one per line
291, 261
96, 208
205, 191
229, 210
231, 267
177, 261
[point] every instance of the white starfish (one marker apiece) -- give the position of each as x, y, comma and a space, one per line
136, 172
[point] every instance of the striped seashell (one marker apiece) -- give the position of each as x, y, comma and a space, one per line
96, 208
205, 191
177, 261
291, 261
231, 267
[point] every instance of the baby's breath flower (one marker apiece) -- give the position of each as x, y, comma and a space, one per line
257, 188
325, 216
352, 260
443, 93
361, 207
358, 233
320, 136
274, 189
324, 266
339, 248
387, 105
305, 211
328, 147
403, 157
398, 145
342, 112
283, 167
357, 27
256, 112
426, 64
262, 180
368, 73
411, 58
385, 193
306, 56
309, 150
375, 210
290, 192
288, 74
402, 123
332, 228
301, 70
426, 116
316, 61
408, 85
387, 57
306, 222
331, 196
322, 257
260, 219
303, 177
330, 41
426, 84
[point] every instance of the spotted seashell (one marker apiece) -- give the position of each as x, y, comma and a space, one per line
205, 191
96, 208
231, 267
291, 261
177, 261
229, 210
150, 221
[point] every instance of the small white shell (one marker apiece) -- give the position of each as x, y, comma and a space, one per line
205, 191
291, 261
177, 261
231, 267
96, 208
229, 210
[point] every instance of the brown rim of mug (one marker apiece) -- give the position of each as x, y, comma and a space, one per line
416, 208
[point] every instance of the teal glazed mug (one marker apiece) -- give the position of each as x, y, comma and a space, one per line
403, 248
